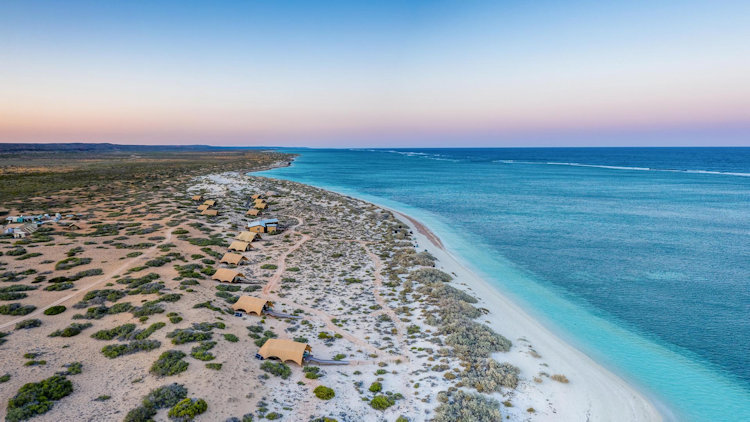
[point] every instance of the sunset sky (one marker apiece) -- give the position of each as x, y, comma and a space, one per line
346, 73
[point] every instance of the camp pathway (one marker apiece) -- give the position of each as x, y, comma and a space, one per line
104, 278
273, 282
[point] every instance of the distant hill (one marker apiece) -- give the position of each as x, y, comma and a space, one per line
107, 147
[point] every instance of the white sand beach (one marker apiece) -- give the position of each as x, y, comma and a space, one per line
593, 393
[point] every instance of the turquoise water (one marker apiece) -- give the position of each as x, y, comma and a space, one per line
639, 257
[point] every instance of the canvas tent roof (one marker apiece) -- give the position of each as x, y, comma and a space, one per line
256, 196
248, 236
239, 246
210, 212
252, 212
284, 350
232, 258
226, 275
260, 205
203, 207
197, 197
251, 305
210, 202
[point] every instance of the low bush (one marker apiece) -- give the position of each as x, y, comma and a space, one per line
187, 409
28, 324
231, 338
116, 350
324, 393
201, 352
472, 339
487, 375
119, 331
54, 310
214, 366
376, 387
165, 396
460, 406
278, 369
429, 275
37, 398
187, 335
169, 363
15, 292
16, 309
72, 330
381, 402
71, 262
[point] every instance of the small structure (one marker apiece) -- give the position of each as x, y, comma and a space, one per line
71, 227
256, 196
11, 228
210, 202
263, 226
253, 212
233, 258
197, 197
203, 207
285, 350
248, 237
261, 205
252, 305
210, 212
238, 245
225, 275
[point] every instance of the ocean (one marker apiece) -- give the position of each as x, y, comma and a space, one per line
640, 257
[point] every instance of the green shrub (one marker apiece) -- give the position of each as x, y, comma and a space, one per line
59, 287
165, 396
376, 387
169, 363
187, 335
231, 338
269, 266
5, 378
71, 262
16, 252
472, 339
119, 331
73, 368
214, 366
16, 309
324, 393
140, 414
278, 369
28, 324
487, 375
187, 409
15, 292
201, 352
54, 310
381, 402
37, 398
429, 275
116, 350
72, 330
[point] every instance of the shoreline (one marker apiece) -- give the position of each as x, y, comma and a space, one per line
593, 393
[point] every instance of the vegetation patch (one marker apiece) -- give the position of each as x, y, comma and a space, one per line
72, 330
71, 262
37, 398
28, 324
16, 309
54, 310
324, 393
460, 406
278, 369
169, 363
187, 409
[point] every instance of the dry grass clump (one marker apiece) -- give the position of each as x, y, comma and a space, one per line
560, 378
460, 406
487, 375
470, 339
429, 275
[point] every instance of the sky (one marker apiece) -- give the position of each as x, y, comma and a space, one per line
386, 73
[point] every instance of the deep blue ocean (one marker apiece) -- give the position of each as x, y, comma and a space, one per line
638, 256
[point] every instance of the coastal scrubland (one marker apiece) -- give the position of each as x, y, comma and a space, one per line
128, 297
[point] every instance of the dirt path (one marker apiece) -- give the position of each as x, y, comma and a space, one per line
107, 277
273, 283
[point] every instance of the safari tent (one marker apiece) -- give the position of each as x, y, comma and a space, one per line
226, 275
256, 196
261, 205
285, 350
233, 258
197, 197
269, 225
239, 246
252, 305
210, 202
203, 207
210, 212
248, 236
253, 212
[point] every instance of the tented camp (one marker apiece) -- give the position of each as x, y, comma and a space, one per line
226, 275
285, 350
233, 258
253, 212
261, 205
239, 246
248, 236
252, 305
197, 197
210, 212
269, 225
203, 207
210, 202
